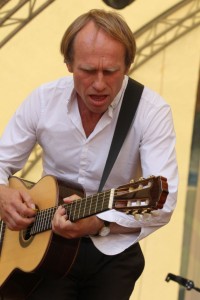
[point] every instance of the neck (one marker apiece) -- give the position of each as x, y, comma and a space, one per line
89, 119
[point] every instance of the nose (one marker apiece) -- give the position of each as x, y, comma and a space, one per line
99, 83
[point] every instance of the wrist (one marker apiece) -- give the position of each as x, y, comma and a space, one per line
104, 230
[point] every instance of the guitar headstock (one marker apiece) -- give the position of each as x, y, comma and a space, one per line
142, 196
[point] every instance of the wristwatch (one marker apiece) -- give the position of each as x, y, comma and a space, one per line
105, 230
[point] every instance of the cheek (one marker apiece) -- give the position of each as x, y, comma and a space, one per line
84, 79
116, 83
81, 83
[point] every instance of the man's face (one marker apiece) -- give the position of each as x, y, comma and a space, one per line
98, 68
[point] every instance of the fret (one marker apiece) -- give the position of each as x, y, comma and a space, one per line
90, 204
84, 207
96, 204
102, 203
71, 210
79, 209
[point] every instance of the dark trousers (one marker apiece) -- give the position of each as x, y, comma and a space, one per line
95, 276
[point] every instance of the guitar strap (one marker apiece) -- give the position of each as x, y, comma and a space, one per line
128, 109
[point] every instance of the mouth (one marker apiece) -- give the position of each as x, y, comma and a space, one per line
99, 99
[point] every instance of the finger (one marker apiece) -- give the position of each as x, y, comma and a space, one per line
59, 214
24, 211
18, 222
71, 198
61, 211
59, 221
27, 207
27, 199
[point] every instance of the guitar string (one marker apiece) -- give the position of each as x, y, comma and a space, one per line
83, 206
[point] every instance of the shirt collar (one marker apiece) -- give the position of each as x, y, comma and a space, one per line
120, 95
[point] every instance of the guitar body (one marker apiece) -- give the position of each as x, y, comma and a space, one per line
25, 259
27, 256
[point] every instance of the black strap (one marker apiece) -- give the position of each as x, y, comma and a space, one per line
129, 106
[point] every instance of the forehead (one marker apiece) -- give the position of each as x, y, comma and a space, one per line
90, 32
92, 41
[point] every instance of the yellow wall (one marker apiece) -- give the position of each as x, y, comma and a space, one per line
32, 57
174, 74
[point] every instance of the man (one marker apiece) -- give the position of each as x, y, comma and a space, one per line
73, 119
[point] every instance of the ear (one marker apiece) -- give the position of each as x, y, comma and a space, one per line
69, 67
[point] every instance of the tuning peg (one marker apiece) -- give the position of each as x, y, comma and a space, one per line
131, 189
140, 187
128, 212
147, 216
138, 216
155, 213
138, 203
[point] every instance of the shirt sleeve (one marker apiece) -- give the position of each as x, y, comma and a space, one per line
19, 137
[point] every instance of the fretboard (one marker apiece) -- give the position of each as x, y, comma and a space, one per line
76, 210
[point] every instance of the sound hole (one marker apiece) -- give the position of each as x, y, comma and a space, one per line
25, 238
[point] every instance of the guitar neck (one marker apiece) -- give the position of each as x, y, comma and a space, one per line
136, 197
76, 210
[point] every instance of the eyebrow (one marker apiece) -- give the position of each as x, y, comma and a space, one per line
90, 68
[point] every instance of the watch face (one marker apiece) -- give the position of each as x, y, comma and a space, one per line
104, 231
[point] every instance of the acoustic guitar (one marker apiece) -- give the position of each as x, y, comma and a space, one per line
28, 255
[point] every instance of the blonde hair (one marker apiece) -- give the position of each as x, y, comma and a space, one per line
110, 22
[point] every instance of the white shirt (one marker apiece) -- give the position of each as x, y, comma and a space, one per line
50, 116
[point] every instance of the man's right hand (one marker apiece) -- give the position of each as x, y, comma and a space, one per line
17, 209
